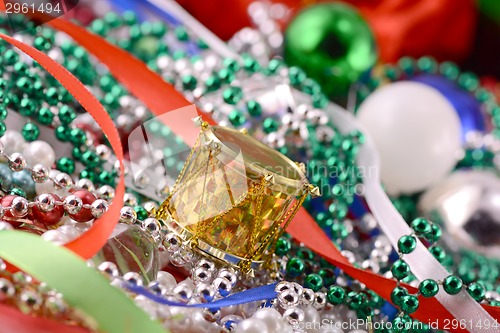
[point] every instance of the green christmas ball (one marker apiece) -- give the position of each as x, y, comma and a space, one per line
332, 43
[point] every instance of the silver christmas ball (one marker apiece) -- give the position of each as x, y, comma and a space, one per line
467, 204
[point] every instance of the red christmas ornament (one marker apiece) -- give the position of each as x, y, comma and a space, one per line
85, 214
51, 217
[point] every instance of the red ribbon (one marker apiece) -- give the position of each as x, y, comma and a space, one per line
161, 97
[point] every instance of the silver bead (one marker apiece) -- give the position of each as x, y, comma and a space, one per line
19, 207
99, 207
207, 264
223, 286
294, 316
307, 297
297, 288
282, 286
7, 289
172, 242
129, 199
133, 278
55, 305
228, 274
183, 292
86, 184
211, 315
202, 274
288, 298
106, 192
128, 215
103, 152
150, 206
3, 266
319, 300
17, 162
206, 291
63, 180
109, 269
157, 288
73, 204
45, 202
40, 173
30, 299
151, 225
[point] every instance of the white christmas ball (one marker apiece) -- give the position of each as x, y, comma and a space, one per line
251, 325
271, 317
13, 142
39, 152
417, 134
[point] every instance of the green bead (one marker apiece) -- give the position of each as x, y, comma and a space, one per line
232, 95
226, 75
52, 96
296, 75
3, 112
77, 136
328, 276
3, 128
477, 291
435, 234
421, 226
26, 107
270, 125
402, 324
30, 132
468, 81
141, 212
250, 65
237, 118
452, 285
17, 191
45, 116
438, 253
407, 244
99, 27
449, 70
189, 82
400, 269
294, 267
355, 300
339, 231
428, 288
332, 43
10, 57
106, 177
181, 34
41, 43
254, 108
231, 64
66, 165
62, 133
409, 304
212, 83
85, 173
90, 159
314, 282
397, 295
274, 65
427, 65
283, 246
336, 295
407, 64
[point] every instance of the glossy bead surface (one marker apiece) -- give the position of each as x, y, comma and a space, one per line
332, 43
452, 285
46, 211
85, 214
428, 288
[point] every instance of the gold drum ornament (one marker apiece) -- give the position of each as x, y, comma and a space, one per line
234, 197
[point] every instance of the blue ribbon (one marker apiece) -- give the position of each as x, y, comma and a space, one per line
262, 293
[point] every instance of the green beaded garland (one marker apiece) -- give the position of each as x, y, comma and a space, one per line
66, 165
407, 244
428, 288
30, 132
400, 269
283, 246
477, 291
294, 267
409, 304
336, 295
452, 285
314, 282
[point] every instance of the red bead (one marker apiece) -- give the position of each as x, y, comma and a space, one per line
49, 218
85, 214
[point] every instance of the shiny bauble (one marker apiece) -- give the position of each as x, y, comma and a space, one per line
332, 43
468, 205
417, 134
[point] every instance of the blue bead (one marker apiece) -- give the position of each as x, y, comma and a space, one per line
5, 176
24, 181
